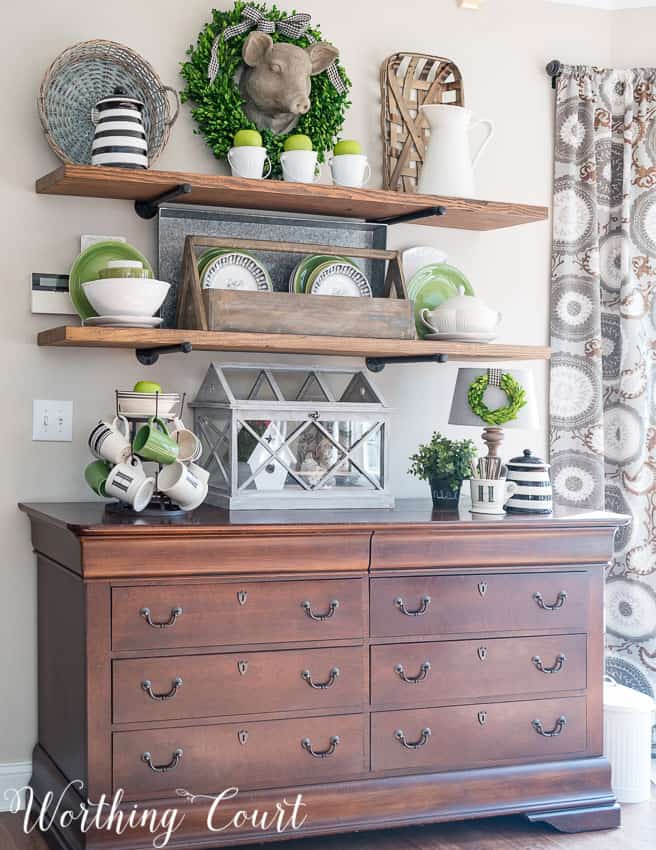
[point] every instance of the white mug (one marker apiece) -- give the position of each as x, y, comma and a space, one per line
299, 166
350, 169
129, 483
248, 161
111, 441
189, 446
489, 495
200, 472
182, 486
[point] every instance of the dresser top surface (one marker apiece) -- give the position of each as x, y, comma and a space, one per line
90, 518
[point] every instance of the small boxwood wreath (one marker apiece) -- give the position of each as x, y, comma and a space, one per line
512, 388
218, 106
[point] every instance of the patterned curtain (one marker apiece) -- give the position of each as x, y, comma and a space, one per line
603, 332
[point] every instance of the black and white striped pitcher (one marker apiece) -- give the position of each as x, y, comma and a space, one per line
534, 492
120, 136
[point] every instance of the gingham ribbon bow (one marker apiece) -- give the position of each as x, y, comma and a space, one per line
294, 27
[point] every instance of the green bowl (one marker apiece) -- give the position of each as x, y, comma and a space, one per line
140, 274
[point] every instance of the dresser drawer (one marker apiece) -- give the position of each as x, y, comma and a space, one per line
461, 737
458, 604
413, 674
273, 753
184, 615
154, 689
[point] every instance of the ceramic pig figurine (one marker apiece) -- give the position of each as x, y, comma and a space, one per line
275, 83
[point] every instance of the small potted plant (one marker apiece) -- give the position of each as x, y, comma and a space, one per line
445, 464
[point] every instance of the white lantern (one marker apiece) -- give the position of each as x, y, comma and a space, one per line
628, 718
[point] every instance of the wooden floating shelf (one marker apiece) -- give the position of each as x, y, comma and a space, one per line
316, 199
135, 338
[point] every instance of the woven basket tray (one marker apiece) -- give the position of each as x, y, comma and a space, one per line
407, 81
82, 75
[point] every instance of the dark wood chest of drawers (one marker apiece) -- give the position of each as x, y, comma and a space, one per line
392, 667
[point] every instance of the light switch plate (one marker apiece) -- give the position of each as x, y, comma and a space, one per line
52, 421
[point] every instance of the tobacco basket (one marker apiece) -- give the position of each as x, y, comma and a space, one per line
407, 82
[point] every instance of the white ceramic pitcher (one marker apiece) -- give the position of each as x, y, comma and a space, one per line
448, 167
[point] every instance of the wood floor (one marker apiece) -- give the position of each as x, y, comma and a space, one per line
638, 832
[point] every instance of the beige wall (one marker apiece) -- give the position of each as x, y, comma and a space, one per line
501, 51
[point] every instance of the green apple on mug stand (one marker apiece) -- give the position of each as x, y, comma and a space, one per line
96, 476
147, 387
247, 156
298, 160
349, 166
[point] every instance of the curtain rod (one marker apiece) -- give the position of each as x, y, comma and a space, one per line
554, 69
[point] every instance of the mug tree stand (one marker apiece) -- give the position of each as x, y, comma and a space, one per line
160, 506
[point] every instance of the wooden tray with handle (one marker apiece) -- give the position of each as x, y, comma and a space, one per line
388, 317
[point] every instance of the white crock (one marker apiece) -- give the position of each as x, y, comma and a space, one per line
534, 494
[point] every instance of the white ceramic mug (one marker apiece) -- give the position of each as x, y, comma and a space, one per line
200, 472
489, 495
182, 486
189, 446
129, 483
350, 169
249, 161
299, 166
111, 441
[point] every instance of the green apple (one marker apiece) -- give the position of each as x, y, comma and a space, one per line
247, 139
298, 142
147, 387
347, 146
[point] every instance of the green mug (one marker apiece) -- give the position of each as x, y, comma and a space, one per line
96, 476
153, 442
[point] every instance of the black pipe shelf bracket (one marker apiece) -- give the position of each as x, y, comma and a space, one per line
377, 364
148, 209
429, 212
150, 356
554, 69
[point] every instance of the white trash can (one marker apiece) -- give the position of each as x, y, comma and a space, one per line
628, 718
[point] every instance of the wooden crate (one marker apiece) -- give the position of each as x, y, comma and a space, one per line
387, 317
407, 82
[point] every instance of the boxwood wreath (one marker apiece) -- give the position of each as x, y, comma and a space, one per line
218, 106
513, 390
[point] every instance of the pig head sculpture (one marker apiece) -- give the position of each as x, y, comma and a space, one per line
275, 82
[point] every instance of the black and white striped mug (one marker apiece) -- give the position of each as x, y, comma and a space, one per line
120, 137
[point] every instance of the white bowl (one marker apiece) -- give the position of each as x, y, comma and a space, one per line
145, 404
126, 296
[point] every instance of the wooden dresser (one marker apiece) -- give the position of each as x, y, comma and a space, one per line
394, 667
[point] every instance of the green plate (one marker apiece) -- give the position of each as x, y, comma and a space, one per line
307, 266
432, 286
89, 263
207, 257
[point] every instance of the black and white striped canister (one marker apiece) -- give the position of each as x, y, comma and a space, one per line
534, 491
120, 136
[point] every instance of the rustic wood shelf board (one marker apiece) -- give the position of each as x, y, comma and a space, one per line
316, 199
81, 337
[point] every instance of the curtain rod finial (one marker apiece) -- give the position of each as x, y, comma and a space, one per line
554, 67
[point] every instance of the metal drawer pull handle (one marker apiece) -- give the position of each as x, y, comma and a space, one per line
307, 606
557, 666
147, 686
425, 602
560, 601
412, 680
320, 754
550, 733
175, 613
163, 768
321, 686
413, 745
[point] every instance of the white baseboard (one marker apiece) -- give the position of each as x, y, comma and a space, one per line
13, 776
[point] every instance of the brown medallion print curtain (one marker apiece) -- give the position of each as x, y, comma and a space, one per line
603, 333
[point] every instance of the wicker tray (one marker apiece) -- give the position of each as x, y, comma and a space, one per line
407, 82
82, 75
